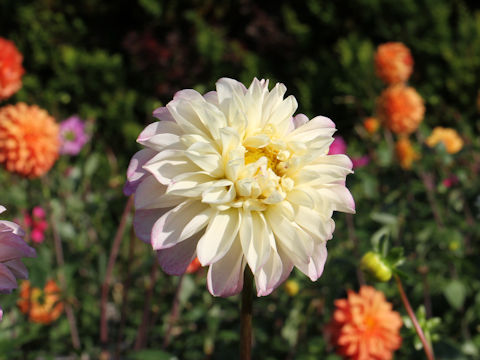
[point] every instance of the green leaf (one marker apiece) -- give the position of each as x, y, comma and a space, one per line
455, 293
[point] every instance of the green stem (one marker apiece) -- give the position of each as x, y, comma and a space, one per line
426, 346
246, 316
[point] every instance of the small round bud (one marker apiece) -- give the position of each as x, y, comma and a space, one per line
374, 265
292, 287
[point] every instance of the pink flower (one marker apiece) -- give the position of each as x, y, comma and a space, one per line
12, 249
361, 161
338, 146
450, 181
37, 223
72, 135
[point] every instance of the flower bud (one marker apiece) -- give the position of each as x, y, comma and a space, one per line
292, 287
373, 264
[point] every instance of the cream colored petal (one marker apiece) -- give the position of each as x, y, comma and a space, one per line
168, 164
221, 194
273, 273
313, 223
254, 239
180, 223
282, 115
225, 277
320, 174
207, 158
160, 135
150, 194
191, 184
314, 268
297, 243
187, 119
219, 236
319, 126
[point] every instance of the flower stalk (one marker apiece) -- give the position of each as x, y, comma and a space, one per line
426, 346
246, 334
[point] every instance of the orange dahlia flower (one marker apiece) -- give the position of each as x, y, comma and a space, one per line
364, 326
449, 137
371, 124
401, 108
405, 152
41, 305
11, 69
29, 140
393, 62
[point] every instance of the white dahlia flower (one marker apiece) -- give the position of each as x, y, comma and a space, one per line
233, 178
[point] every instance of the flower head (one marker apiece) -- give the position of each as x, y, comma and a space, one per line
338, 146
401, 109
405, 152
449, 137
12, 249
41, 305
233, 178
37, 224
72, 135
393, 62
11, 70
371, 124
364, 326
28, 139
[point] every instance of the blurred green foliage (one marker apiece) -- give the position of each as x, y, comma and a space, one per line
114, 62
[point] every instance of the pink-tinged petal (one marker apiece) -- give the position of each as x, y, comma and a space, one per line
9, 226
145, 200
273, 273
135, 171
225, 277
1, 313
175, 260
13, 246
143, 221
7, 279
160, 135
2, 209
314, 268
17, 268
180, 223
299, 120
162, 113
211, 97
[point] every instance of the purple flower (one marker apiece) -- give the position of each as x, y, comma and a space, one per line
72, 135
12, 249
338, 146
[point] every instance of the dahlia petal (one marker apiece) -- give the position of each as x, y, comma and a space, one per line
225, 276
13, 246
9, 226
211, 97
313, 223
168, 164
135, 171
282, 115
206, 158
160, 135
297, 243
219, 236
191, 184
17, 268
299, 120
339, 197
320, 174
185, 116
227, 88
274, 272
175, 260
145, 200
144, 220
254, 239
2, 209
219, 194
8, 281
314, 268
162, 113
319, 126
180, 223
272, 101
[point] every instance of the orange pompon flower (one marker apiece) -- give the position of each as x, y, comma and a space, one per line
449, 137
11, 69
41, 306
401, 109
405, 152
194, 266
29, 139
364, 326
393, 62
371, 124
